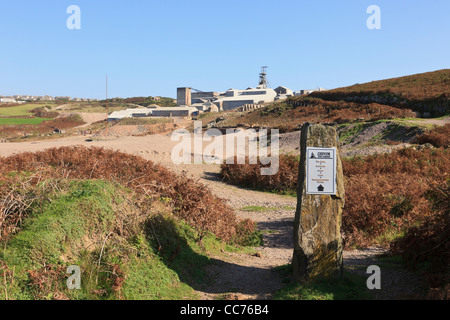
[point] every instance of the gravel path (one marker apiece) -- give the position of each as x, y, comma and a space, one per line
396, 282
247, 276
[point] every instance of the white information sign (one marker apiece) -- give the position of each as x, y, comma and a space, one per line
321, 171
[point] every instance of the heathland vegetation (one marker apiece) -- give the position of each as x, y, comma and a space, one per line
39, 120
28, 121
135, 226
425, 94
140, 231
398, 200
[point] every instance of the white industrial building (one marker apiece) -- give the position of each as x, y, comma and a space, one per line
129, 113
283, 93
190, 103
302, 92
153, 111
174, 112
207, 106
232, 98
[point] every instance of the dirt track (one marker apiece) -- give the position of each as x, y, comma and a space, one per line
90, 118
251, 276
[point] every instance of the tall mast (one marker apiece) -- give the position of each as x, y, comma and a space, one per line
106, 105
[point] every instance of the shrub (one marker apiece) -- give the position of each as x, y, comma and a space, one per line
439, 137
247, 235
427, 246
399, 199
249, 175
190, 200
385, 194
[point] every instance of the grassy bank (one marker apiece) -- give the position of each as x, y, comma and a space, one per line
350, 287
123, 250
131, 228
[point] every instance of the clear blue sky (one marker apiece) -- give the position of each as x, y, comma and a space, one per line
152, 47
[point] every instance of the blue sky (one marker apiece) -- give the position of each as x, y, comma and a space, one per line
150, 48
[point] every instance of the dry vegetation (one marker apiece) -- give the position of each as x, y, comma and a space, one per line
438, 137
124, 220
290, 114
425, 92
399, 200
18, 132
403, 97
138, 127
190, 201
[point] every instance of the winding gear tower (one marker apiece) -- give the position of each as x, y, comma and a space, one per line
263, 83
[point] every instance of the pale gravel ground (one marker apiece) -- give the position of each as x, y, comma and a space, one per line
238, 276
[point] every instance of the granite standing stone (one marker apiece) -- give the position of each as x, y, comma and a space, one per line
317, 225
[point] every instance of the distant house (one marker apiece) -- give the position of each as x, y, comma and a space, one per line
7, 100
47, 98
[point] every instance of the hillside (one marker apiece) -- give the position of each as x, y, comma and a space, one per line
39, 120
426, 94
143, 101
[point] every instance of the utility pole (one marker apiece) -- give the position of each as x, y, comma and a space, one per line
106, 105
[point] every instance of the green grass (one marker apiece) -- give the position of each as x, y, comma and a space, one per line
285, 193
350, 287
389, 236
158, 257
261, 209
20, 121
94, 107
20, 110
53, 234
142, 121
414, 123
350, 131
422, 123
255, 209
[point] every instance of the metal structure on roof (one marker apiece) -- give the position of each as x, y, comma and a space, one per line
263, 83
